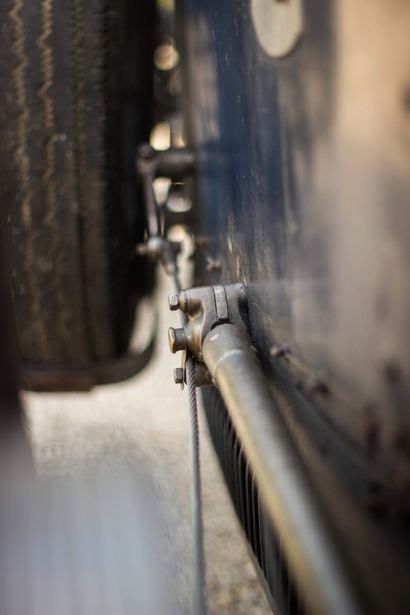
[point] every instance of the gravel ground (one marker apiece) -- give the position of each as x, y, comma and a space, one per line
145, 423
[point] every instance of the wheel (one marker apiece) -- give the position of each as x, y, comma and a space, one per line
75, 78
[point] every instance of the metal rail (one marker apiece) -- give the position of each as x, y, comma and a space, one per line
287, 495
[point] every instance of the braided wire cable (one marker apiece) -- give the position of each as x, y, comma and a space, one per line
197, 518
196, 492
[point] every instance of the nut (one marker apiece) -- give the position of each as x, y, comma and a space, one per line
179, 375
146, 159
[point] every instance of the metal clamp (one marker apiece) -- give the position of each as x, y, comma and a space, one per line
205, 308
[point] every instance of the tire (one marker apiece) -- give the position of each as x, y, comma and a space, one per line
75, 78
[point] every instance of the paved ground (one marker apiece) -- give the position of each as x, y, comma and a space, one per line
145, 423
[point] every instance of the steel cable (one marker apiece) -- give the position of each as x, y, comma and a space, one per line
196, 490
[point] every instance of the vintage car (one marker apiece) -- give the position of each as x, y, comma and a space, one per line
289, 124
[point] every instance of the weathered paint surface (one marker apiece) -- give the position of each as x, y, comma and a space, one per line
304, 189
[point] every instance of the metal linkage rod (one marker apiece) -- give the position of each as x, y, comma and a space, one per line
285, 491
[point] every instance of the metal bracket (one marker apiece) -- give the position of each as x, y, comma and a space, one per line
176, 164
205, 308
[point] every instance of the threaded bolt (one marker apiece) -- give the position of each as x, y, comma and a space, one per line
183, 301
176, 339
173, 302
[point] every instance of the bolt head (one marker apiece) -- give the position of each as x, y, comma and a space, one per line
155, 247
146, 151
173, 302
141, 249
171, 339
176, 339
146, 160
179, 375
213, 264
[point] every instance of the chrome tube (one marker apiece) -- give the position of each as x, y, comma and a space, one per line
284, 488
